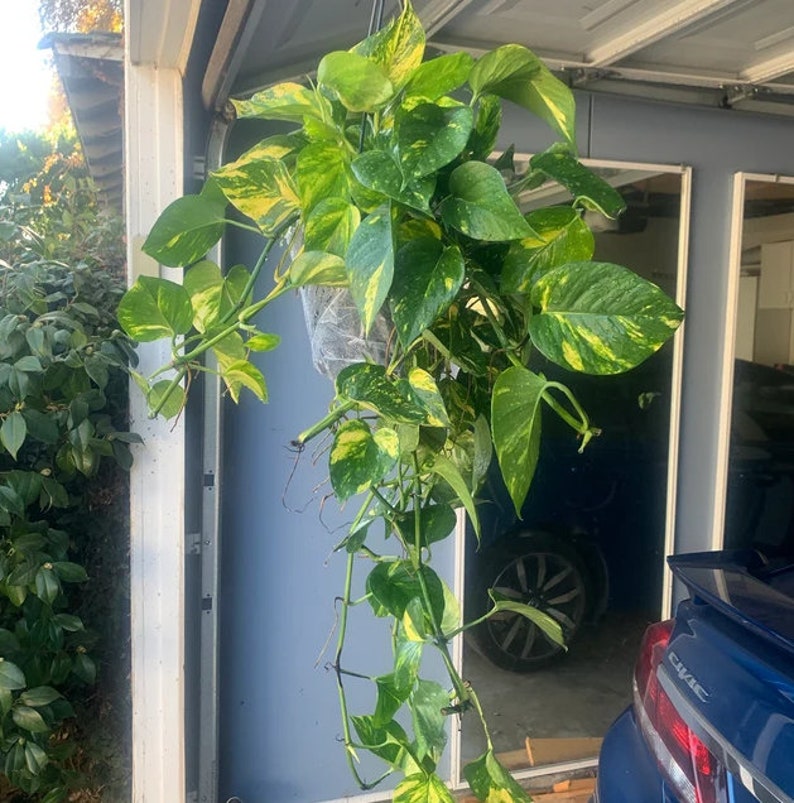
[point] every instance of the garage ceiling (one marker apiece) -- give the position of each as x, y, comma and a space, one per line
731, 53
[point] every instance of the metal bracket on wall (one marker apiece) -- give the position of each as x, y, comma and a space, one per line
193, 543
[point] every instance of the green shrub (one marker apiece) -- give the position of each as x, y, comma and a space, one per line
62, 428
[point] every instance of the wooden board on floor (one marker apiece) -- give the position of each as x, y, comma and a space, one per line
554, 751
578, 791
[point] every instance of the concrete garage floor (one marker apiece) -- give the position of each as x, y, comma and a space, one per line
578, 696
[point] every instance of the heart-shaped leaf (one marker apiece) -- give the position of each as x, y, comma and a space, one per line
213, 295
288, 101
322, 172
186, 230
360, 84
397, 47
330, 226
379, 172
427, 279
561, 236
588, 189
422, 788
517, 74
370, 264
426, 391
547, 624
430, 136
600, 318
317, 267
368, 385
439, 76
261, 188
515, 426
480, 207
360, 458
13, 432
492, 783
430, 725
155, 308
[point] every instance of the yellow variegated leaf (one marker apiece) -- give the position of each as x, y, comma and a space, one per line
287, 101
260, 188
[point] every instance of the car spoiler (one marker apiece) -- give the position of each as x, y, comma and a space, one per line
743, 586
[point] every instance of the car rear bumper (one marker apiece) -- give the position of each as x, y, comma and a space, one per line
627, 772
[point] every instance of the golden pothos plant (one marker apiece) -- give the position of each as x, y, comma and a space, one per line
390, 178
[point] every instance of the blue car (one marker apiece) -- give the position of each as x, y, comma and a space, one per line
713, 713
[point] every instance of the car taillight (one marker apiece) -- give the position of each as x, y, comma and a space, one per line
692, 770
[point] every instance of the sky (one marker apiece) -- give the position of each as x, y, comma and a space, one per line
24, 70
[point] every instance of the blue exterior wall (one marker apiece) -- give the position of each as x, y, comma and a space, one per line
280, 724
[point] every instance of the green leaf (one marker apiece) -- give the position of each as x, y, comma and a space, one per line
318, 267
212, 295
422, 788
243, 374
11, 676
436, 522
70, 572
517, 74
390, 698
28, 364
480, 207
447, 470
358, 458
40, 696
368, 385
330, 225
515, 425
427, 703
261, 188
398, 47
322, 173
370, 264
379, 172
600, 318
13, 433
41, 426
561, 236
155, 308
388, 742
425, 389
186, 230
407, 660
588, 189
430, 136
262, 341
492, 783
288, 101
550, 626
174, 398
427, 277
29, 719
47, 585
35, 758
69, 622
439, 76
391, 586
486, 128
85, 668
358, 82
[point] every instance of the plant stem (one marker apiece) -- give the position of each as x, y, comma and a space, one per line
324, 423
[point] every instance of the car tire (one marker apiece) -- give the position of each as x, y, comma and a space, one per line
538, 569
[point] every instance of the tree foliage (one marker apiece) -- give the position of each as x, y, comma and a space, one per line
80, 16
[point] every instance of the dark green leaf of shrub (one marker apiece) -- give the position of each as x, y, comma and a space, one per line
85, 668
13, 432
29, 719
11, 676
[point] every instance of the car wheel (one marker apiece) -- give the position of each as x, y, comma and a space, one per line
537, 569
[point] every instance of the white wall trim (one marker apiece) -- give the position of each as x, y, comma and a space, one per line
160, 32
154, 177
